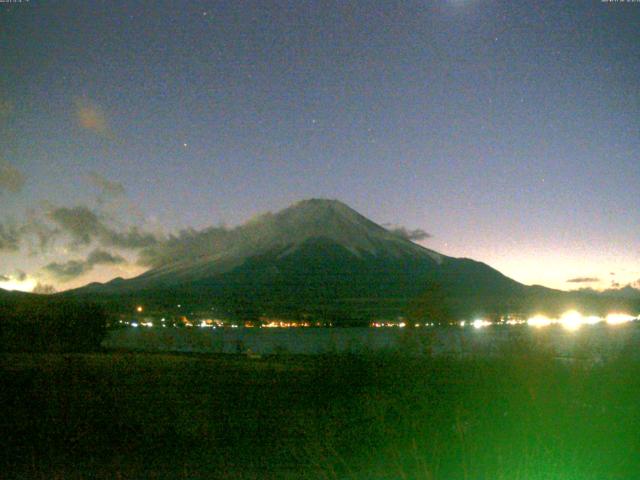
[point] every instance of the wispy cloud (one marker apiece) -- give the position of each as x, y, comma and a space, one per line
583, 280
91, 116
19, 276
132, 238
9, 237
38, 234
51, 229
79, 222
78, 226
74, 268
11, 179
408, 234
187, 245
106, 188
84, 226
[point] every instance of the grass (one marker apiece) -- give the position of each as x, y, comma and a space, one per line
521, 415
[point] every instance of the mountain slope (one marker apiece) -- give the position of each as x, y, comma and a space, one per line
285, 232
317, 257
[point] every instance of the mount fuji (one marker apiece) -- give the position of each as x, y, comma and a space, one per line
316, 258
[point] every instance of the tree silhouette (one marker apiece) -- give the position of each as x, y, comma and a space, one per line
47, 324
431, 305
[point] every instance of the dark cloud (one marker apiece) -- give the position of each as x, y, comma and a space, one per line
583, 280
19, 276
80, 225
106, 188
11, 179
133, 238
9, 237
38, 234
79, 222
44, 289
408, 234
68, 270
74, 268
187, 245
103, 257
84, 226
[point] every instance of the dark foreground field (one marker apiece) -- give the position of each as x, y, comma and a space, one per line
119, 415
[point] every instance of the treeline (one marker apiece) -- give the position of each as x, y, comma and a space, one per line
39, 323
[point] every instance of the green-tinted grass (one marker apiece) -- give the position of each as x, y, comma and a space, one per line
523, 415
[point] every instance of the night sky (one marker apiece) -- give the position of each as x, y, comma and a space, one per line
509, 131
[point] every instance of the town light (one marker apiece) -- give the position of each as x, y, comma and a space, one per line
479, 323
618, 318
571, 320
539, 321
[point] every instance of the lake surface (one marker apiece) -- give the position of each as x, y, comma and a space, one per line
592, 341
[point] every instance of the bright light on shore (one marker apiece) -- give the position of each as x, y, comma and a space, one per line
571, 320
479, 323
592, 320
618, 318
539, 321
